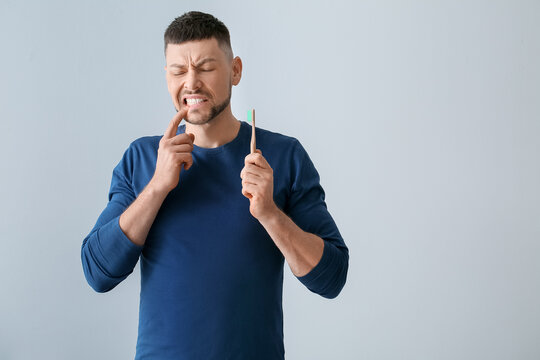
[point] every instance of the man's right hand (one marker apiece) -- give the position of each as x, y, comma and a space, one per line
174, 150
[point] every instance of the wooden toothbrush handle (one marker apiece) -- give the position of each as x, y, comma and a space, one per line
253, 142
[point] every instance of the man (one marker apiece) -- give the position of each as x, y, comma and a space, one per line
212, 223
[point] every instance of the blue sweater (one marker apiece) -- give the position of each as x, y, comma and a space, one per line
211, 276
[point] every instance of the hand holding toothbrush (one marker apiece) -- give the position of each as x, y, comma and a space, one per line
258, 179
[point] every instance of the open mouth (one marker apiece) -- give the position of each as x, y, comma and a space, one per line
194, 101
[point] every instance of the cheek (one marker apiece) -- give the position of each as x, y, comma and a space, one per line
221, 86
174, 90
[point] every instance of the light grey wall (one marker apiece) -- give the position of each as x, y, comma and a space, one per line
422, 118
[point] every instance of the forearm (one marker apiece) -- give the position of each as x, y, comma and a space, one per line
138, 218
301, 249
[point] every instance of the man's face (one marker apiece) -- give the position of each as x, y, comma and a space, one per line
200, 76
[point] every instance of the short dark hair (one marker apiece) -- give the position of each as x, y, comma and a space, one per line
196, 25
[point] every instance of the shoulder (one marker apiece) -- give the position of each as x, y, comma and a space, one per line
139, 149
273, 137
138, 158
142, 146
145, 142
276, 142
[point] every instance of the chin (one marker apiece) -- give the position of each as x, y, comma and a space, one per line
197, 120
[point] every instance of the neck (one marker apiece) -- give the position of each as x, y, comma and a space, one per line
219, 131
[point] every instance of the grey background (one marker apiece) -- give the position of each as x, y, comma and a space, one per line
422, 118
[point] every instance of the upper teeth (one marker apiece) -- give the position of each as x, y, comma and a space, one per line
194, 101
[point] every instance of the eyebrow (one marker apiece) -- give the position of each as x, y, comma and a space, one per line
202, 62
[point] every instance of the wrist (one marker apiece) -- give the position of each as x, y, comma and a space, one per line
155, 189
271, 216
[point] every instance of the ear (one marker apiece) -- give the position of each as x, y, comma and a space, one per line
236, 73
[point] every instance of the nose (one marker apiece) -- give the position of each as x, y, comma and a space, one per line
192, 81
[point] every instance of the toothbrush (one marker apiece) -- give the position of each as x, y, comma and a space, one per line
251, 119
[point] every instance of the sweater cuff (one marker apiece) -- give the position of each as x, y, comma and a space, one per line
317, 274
115, 248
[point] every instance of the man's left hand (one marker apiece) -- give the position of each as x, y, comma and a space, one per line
258, 185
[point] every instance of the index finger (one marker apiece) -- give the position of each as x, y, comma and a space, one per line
257, 159
173, 125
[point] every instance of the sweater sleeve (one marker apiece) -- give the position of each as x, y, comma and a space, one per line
107, 254
308, 210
